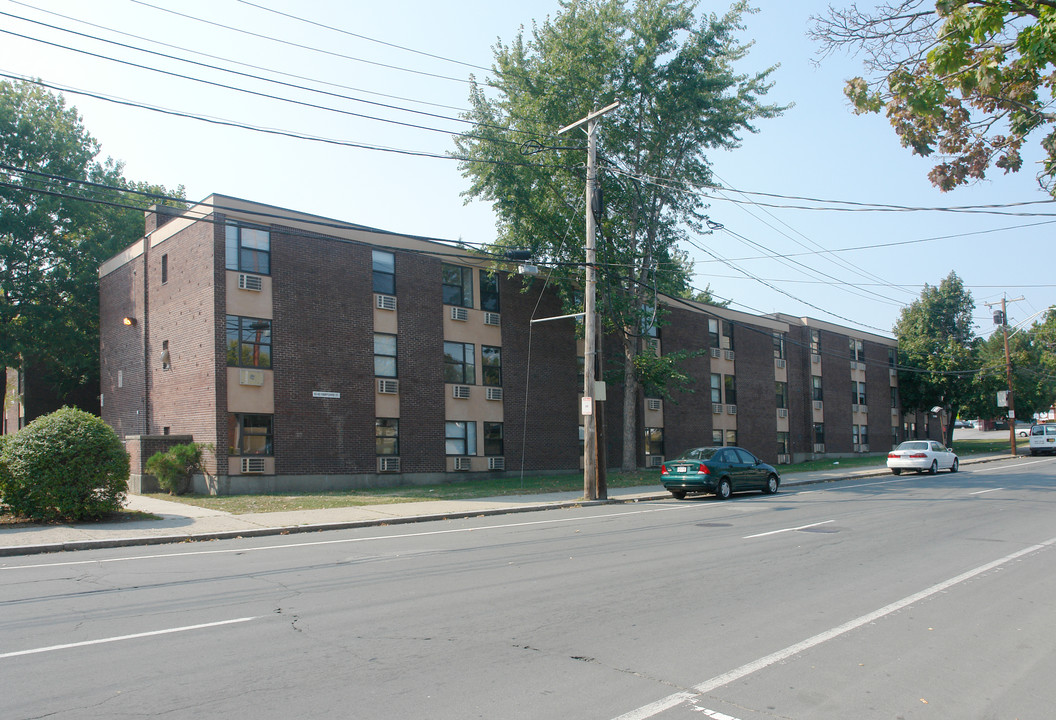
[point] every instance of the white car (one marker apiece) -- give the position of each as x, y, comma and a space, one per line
921, 455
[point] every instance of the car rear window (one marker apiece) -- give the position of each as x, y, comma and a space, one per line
922, 445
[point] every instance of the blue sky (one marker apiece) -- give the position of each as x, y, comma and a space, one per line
817, 149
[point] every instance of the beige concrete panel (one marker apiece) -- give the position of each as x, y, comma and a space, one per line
248, 303
386, 406
475, 407
258, 399
385, 321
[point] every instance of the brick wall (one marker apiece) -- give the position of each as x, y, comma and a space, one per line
322, 338
123, 349
756, 401
687, 414
836, 388
800, 400
878, 396
550, 381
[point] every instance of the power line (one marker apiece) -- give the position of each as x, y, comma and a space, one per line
300, 46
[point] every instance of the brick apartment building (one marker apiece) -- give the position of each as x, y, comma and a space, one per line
317, 354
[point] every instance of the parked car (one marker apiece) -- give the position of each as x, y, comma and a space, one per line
721, 471
1043, 439
921, 455
962, 423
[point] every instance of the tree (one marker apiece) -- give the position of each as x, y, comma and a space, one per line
680, 97
971, 79
936, 350
1033, 388
54, 232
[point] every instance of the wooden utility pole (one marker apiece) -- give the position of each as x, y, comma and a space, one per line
1008, 373
590, 435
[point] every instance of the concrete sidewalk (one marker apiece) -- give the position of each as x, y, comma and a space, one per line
180, 522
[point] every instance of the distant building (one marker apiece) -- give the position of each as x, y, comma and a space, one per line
313, 353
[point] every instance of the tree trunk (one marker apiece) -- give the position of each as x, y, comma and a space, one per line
630, 401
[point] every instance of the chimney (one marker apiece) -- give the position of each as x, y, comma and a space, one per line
157, 215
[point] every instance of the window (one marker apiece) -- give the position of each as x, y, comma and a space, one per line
493, 439
248, 342
727, 331
819, 433
857, 350
457, 284
491, 365
894, 435
779, 346
815, 388
250, 434
857, 393
386, 436
731, 437
248, 249
716, 437
458, 363
815, 342
384, 264
854, 434
730, 382
716, 388
580, 372
489, 291
894, 397
384, 355
460, 437
654, 442
860, 434
782, 443
713, 333
781, 392
164, 268
166, 358
892, 357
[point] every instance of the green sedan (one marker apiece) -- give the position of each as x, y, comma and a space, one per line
721, 471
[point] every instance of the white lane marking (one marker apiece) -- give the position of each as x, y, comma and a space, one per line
125, 637
784, 530
648, 711
983, 492
236, 551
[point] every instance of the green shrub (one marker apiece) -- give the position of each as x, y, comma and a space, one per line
174, 468
65, 466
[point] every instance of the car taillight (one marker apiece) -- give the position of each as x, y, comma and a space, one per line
663, 469
893, 455
918, 456
703, 469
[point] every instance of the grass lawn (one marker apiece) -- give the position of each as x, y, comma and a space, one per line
498, 487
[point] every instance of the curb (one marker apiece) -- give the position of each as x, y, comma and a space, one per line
16, 550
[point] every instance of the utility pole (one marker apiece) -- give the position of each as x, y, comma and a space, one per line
1008, 373
590, 436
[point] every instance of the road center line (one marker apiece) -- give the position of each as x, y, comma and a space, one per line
784, 530
655, 708
101, 641
983, 492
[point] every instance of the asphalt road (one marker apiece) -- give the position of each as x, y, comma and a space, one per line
910, 597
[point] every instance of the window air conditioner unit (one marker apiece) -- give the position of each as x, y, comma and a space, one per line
854, 408
252, 465
492, 318
864, 447
493, 393
894, 411
460, 392
384, 302
716, 408
817, 404
730, 355
779, 362
731, 409
459, 313
863, 409
388, 464
496, 463
815, 358
784, 459
251, 377
653, 404
388, 386
782, 412
462, 464
250, 282
819, 447
894, 374
857, 448
656, 461
716, 353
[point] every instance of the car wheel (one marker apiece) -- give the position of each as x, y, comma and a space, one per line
934, 467
896, 471
679, 494
956, 465
772, 484
724, 490
1032, 453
